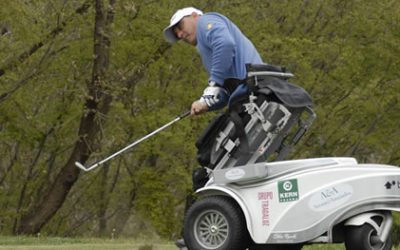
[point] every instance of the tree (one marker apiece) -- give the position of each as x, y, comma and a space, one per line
96, 106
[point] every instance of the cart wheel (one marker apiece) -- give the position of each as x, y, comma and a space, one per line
365, 238
215, 223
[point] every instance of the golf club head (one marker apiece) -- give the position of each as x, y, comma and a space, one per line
79, 165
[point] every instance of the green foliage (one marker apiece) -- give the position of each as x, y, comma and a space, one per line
345, 53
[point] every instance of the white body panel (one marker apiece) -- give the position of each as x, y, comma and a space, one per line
298, 201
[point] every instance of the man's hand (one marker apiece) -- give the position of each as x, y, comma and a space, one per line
198, 107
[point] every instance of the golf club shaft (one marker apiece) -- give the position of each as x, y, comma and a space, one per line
78, 164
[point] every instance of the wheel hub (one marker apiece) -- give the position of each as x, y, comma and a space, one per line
375, 242
214, 230
211, 229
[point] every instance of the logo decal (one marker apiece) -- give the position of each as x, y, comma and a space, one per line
284, 238
392, 184
331, 197
235, 174
265, 197
288, 190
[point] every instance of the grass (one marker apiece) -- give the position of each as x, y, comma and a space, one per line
56, 243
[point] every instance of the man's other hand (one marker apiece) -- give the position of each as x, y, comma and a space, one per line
198, 107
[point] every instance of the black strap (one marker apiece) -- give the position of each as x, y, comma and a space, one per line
234, 113
264, 67
240, 132
230, 84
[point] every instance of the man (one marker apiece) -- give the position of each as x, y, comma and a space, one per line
224, 51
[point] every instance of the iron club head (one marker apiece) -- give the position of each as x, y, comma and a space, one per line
79, 165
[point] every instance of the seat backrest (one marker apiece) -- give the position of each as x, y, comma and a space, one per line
271, 131
263, 126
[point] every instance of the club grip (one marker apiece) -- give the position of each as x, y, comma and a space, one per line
184, 114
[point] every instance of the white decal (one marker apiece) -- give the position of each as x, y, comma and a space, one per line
235, 174
277, 236
287, 185
331, 197
284, 238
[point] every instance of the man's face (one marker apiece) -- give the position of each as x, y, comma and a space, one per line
186, 29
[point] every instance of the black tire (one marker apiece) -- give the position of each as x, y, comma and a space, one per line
362, 238
215, 223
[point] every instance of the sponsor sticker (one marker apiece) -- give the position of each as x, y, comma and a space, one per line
265, 198
331, 197
288, 190
392, 184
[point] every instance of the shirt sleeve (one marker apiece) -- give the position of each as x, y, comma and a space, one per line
222, 45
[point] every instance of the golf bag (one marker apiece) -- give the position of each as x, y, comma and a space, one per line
263, 125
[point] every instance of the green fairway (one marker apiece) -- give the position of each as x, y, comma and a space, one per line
88, 246
55, 243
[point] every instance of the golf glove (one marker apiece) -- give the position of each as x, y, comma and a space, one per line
215, 97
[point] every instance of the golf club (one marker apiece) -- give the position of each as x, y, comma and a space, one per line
89, 168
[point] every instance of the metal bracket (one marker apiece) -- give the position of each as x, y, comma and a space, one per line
283, 121
255, 112
224, 140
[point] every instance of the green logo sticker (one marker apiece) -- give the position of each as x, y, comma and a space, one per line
288, 190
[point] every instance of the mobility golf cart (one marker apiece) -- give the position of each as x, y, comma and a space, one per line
250, 198
286, 204
250, 203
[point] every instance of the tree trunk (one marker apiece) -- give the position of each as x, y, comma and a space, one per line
96, 106
103, 202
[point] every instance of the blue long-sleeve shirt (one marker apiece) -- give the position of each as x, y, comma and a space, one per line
224, 49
